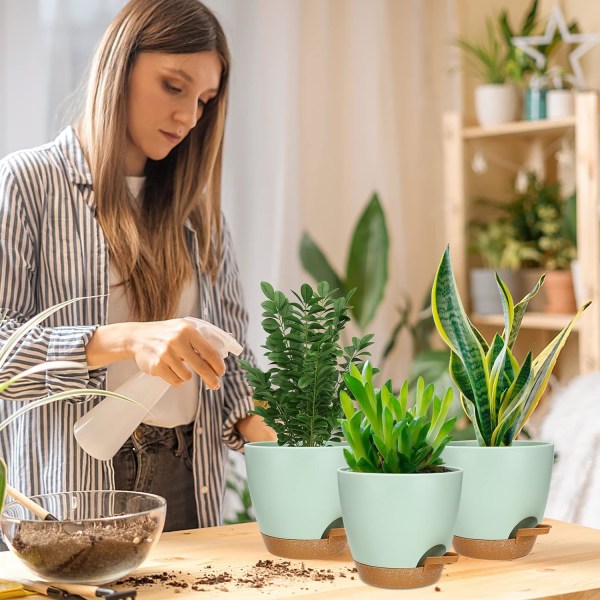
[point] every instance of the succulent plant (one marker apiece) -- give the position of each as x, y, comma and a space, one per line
385, 434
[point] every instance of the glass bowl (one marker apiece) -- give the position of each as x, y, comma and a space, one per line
100, 536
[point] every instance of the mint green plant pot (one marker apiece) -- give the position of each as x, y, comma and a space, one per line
295, 497
395, 521
505, 490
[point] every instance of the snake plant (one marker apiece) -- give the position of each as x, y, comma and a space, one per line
385, 435
10, 344
497, 393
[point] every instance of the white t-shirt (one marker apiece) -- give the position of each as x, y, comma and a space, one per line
178, 406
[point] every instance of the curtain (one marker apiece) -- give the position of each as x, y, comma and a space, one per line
332, 100
374, 83
45, 47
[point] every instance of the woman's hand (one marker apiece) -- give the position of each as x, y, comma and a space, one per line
167, 349
253, 429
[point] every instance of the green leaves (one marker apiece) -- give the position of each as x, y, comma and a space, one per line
459, 334
497, 394
487, 59
316, 264
385, 435
307, 361
367, 265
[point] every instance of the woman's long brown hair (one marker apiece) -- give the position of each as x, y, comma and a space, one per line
150, 251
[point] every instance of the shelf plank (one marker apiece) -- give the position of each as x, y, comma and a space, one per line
542, 321
519, 128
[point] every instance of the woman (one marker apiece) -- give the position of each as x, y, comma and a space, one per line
124, 211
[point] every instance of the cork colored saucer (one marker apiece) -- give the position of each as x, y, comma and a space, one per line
509, 549
332, 545
386, 577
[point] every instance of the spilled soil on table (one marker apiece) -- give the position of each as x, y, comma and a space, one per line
264, 573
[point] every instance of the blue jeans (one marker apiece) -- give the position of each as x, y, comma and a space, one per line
159, 460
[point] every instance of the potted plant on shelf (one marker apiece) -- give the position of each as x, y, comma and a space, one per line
366, 269
522, 69
505, 481
496, 99
293, 481
496, 244
542, 217
560, 100
518, 64
394, 455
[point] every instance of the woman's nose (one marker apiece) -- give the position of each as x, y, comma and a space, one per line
188, 116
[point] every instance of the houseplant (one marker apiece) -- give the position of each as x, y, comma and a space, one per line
506, 482
496, 99
496, 244
9, 345
518, 64
366, 265
542, 217
394, 454
367, 268
560, 99
292, 482
522, 69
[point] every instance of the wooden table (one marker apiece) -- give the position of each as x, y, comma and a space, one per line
563, 565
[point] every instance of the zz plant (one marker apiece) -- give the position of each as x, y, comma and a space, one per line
497, 393
307, 362
385, 434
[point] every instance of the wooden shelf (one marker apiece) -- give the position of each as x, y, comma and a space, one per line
550, 322
520, 128
528, 139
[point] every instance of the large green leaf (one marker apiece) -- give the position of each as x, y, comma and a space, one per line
367, 268
316, 264
458, 332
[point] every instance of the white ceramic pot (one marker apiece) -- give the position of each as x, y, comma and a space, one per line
496, 103
559, 104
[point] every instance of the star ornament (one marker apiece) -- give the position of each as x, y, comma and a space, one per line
585, 41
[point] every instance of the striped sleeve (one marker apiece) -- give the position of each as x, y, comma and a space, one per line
19, 256
229, 295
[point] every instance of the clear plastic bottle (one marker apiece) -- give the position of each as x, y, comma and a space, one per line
107, 426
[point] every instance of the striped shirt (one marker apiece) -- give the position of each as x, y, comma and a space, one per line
52, 249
